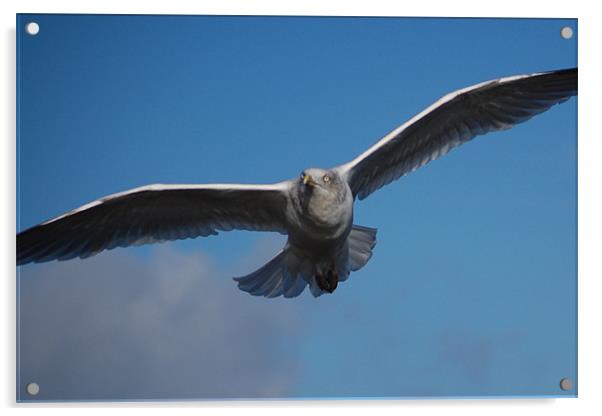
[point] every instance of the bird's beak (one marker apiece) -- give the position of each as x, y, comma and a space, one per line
308, 180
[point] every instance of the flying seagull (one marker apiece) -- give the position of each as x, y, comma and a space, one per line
315, 210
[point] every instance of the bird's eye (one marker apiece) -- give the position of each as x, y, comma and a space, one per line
326, 178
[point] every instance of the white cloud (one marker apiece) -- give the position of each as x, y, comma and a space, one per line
118, 326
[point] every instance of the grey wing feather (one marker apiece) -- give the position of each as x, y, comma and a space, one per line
455, 119
155, 213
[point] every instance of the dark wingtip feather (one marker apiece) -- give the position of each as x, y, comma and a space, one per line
561, 80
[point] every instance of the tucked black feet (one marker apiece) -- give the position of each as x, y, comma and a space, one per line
333, 280
328, 282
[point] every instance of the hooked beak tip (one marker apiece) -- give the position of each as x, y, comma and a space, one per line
307, 180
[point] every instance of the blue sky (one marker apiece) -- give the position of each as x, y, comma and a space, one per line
472, 287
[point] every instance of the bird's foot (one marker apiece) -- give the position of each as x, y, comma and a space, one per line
329, 281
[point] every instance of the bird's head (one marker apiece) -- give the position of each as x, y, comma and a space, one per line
315, 178
324, 196
316, 181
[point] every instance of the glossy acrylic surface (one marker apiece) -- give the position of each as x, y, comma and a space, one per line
472, 287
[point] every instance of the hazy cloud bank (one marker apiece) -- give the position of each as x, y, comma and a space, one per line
118, 326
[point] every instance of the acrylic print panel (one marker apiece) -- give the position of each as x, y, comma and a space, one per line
471, 289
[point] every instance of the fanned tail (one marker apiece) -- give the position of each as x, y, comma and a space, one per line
287, 274
283, 275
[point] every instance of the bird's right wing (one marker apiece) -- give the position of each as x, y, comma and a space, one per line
155, 213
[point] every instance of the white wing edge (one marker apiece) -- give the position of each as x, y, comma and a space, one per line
280, 186
345, 168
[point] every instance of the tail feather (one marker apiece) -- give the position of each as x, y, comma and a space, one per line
261, 281
252, 283
295, 287
315, 289
286, 274
361, 242
280, 276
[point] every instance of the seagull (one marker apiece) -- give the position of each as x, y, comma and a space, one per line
315, 209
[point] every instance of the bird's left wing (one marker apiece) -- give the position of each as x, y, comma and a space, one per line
455, 119
155, 213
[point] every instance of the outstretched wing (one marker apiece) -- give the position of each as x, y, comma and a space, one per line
455, 119
155, 213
